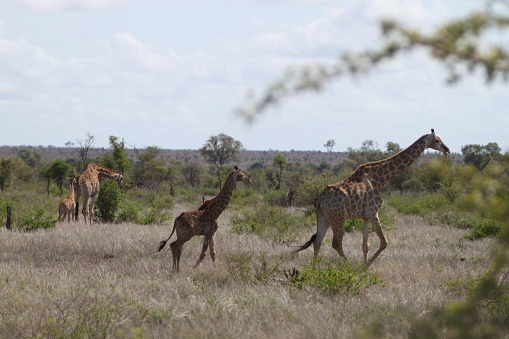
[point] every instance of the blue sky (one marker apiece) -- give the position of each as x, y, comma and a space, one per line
171, 74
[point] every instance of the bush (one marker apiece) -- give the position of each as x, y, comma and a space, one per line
155, 214
129, 212
35, 220
420, 205
274, 223
336, 277
108, 202
484, 227
386, 219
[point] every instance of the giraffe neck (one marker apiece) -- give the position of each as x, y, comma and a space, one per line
218, 204
379, 172
71, 191
105, 172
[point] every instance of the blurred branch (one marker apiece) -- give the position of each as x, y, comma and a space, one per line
461, 45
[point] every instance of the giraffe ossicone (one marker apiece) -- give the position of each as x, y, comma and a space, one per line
203, 221
358, 197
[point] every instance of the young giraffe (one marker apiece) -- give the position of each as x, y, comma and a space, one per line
359, 197
203, 221
88, 183
67, 206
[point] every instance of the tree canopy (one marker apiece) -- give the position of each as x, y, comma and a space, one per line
221, 149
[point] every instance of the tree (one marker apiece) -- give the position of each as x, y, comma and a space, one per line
280, 164
219, 150
192, 172
329, 145
85, 145
480, 155
392, 148
6, 171
116, 158
58, 171
149, 170
369, 151
29, 156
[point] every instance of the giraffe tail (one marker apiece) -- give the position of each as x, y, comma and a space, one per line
306, 245
163, 243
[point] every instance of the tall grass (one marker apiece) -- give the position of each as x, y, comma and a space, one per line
438, 209
108, 281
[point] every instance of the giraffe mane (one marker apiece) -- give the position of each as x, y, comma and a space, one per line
208, 201
103, 167
358, 175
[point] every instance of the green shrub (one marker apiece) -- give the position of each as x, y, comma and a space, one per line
484, 227
129, 212
108, 202
243, 197
311, 188
439, 209
154, 215
275, 197
336, 277
420, 205
386, 219
34, 220
273, 223
187, 196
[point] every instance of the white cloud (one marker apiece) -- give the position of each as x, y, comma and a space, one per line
143, 56
71, 5
408, 11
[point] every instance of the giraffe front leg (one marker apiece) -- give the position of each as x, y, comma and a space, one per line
365, 239
84, 210
91, 208
203, 251
383, 241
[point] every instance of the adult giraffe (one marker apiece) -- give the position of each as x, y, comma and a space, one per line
358, 197
203, 221
88, 186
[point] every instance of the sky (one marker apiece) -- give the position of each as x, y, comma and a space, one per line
172, 73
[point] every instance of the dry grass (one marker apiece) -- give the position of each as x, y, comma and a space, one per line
108, 281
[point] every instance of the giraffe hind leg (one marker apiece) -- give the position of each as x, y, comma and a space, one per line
383, 241
322, 225
176, 251
203, 251
212, 250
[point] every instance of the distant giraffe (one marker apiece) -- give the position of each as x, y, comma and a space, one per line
67, 206
203, 221
359, 197
89, 185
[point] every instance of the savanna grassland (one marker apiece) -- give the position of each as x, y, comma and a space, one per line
444, 273
108, 281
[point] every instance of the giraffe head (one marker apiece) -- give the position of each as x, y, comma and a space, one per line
436, 143
239, 176
120, 179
